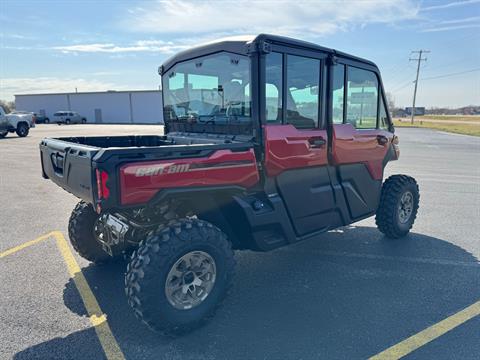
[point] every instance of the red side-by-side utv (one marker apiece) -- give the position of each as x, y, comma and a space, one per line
268, 141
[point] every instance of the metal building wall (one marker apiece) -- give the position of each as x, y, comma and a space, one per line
37, 103
147, 106
115, 107
121, 107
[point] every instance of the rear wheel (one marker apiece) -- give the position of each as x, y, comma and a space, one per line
398, 207
47, 120
81, 231
22, 130
179, 275
67, 121
84, 121
3, 134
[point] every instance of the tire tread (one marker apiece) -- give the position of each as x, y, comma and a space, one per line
165, 242
391, 190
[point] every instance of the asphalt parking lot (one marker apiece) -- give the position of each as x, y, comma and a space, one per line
349, 294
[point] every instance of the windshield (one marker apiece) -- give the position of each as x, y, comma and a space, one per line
209, 94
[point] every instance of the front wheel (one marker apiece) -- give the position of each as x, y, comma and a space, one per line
22, 130
82, 233
179, 275
47, 121
398, 206
3, 134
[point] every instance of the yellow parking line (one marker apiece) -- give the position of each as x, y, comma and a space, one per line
423, 337
97, 318
24, 245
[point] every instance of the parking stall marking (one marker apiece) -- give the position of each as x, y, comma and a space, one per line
97, 318
431, 333
24, 245
112, 350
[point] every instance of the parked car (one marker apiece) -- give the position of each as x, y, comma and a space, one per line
41, 119
228, 174
68, 117
17, 121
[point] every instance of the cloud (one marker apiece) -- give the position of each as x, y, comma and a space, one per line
461, 21
301, 17
18, 36
139, 46
450, 28
450, 5
38, 85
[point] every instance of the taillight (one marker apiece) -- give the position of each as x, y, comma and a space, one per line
103, 192
34, 119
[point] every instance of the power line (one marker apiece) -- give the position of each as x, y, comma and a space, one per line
402, 86
419, 60
451, 74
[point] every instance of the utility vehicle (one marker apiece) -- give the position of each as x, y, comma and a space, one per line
268, 141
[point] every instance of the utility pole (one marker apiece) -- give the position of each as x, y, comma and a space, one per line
419, 59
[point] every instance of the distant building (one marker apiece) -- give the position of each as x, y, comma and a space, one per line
419, 111
110, 107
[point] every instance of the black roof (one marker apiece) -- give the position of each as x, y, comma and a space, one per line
244, 44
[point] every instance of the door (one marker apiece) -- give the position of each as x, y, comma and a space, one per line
361, 138
296, 140
98, 116
3, 124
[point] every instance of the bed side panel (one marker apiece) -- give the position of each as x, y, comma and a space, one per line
140, 181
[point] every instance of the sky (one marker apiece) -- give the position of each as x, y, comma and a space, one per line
57, 46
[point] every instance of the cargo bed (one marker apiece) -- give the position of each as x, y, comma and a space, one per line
72, 162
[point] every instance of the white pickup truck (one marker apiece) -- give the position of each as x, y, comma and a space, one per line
19, 123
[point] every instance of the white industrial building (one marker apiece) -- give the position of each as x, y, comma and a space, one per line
110, 107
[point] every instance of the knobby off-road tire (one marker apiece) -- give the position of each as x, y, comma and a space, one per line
22, 130
81, 233
155, 259
398, 206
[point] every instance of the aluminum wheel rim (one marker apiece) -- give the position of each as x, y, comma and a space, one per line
405, 207
190, 280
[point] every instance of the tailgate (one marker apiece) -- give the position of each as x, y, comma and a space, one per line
69, 165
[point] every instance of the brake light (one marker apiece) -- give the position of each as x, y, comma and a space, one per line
103, 192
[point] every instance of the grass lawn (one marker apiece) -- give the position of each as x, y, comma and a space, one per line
450, 117
443, 125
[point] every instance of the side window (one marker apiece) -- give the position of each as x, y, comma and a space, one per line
338, 93
383, 116
273, 88
303, 83
362, 90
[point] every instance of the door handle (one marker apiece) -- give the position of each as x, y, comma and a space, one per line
317, 142
382, 140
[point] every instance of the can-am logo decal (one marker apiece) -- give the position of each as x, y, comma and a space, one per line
161, 169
